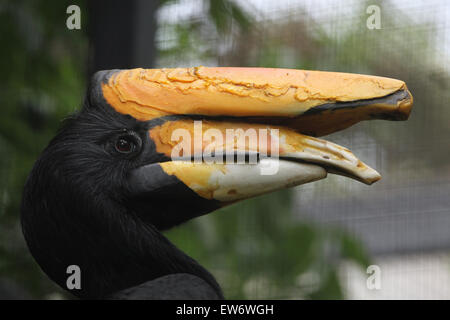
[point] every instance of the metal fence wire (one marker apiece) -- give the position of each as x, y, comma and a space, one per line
402, 220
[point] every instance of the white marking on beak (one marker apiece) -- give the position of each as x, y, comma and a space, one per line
241, 181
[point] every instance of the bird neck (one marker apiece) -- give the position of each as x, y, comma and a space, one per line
144, 254
114, 249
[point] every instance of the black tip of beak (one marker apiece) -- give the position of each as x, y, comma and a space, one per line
401, 100
95, 93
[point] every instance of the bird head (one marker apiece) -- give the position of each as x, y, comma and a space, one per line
151, 149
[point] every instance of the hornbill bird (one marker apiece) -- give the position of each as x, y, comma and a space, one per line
108, 183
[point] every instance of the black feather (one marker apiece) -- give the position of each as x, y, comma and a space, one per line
75, 211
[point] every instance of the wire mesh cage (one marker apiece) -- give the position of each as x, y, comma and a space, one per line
407, 213
323, 240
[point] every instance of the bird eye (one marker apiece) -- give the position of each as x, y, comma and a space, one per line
125, 144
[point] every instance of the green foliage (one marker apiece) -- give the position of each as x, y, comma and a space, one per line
224, 12
259, 249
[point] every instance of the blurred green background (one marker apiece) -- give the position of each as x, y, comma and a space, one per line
264, 247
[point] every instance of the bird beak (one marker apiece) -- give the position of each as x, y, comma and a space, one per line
233, 133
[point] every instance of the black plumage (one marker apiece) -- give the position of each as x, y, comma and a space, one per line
176, 286
76, 210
